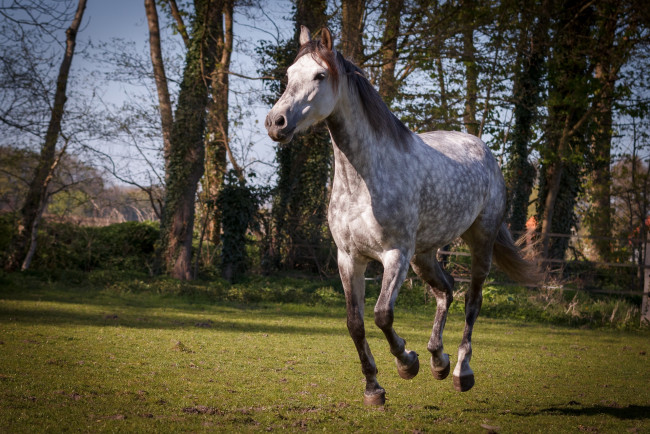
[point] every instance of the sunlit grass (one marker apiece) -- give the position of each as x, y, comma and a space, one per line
95, 360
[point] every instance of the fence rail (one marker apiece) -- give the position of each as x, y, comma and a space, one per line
576, 274
630, 277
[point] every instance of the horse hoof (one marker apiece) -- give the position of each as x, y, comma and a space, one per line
410, 371
440, 373
464, 382
374, 399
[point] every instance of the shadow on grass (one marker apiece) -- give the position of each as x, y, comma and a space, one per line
629, 412
207, 320
203, 302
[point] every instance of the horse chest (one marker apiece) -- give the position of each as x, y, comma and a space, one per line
370, 221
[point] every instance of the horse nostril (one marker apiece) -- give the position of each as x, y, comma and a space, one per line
280, 121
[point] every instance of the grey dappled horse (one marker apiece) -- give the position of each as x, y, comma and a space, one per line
397, 197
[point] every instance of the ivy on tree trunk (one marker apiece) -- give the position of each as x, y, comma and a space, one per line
186, 157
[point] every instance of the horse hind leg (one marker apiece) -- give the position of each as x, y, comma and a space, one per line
427, 267
352, 272
395, 268
481, 245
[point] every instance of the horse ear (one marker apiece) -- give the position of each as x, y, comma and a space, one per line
326, 38
305, 35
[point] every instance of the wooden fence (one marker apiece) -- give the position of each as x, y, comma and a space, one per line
628, 276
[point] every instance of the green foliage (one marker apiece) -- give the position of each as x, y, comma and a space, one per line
300, 237
7, 228
300, 202
239, 203
122, 246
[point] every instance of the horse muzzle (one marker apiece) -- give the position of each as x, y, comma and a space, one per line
278, 127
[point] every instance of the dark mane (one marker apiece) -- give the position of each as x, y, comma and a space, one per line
381, 119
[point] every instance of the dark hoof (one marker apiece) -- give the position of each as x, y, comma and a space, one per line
464, 382
408, 372
374, 399
440, 374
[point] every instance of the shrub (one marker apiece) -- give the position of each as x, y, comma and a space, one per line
7, 228
120, 246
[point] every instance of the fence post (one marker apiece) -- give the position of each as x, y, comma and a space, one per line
645, 302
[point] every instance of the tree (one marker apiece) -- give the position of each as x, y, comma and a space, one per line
566, 146
217, 143
578, 132
239, 203
352, 26
527, 98
23, 245
616, 34
468, 18
300, 202
184, 160
164, 101
388, 53
631, 200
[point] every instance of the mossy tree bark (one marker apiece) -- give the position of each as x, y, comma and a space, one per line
566, 145
217, 144
528, 85
300, 204
185, 164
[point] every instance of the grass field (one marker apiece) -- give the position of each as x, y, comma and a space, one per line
84, 359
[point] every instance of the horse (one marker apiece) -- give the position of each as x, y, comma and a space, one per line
397, 197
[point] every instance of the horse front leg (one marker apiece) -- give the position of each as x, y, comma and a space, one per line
352, 277
442, 284
396, 266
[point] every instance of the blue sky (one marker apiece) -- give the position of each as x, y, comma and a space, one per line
105, 20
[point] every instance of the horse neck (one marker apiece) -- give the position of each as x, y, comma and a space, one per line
356, 144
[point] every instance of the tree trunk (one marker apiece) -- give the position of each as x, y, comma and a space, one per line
520, 174
567, 145
186, 157
600, 218
217, 141
37, 194
600, 215
164, 102
645, 299
352, 24
388, 52
300, 204
471, 68
554, 177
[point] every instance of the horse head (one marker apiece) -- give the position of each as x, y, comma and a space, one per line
312, 88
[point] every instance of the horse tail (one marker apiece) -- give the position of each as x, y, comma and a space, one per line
508, 258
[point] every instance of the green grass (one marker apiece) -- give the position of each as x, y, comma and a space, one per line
101, 358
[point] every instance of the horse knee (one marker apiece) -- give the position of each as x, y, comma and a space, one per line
384, 318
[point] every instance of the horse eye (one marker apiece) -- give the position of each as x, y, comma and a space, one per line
319, 76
